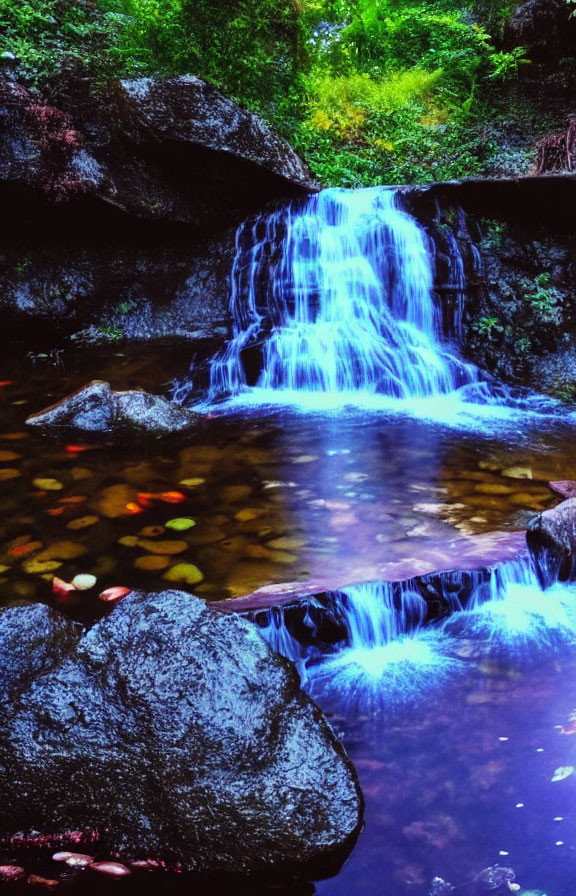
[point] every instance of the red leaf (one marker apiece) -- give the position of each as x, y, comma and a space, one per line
116, 593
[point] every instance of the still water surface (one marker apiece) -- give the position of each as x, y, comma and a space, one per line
457, 778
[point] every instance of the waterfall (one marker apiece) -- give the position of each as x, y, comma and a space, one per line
382, 647
337, 293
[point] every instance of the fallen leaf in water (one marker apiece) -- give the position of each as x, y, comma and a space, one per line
172, 497
128, 541
152, 562
9, 473
7, 456
3, 568
61, 588
37, 567
77, 449
24, 550
83, 522
181, 524
111, 595
110, 869
192, 483
14, 436
62, 550
55, 511
132, 508
183, 572
47, 484
248, 514
36, 880
11, 872
163, 547
152, 531
73, 499
84, 581
6, 383
563, 772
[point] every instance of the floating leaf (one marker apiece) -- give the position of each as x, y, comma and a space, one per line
192, 483
7, 456
180, 524
62, 590
9, 473
152, 562
83, 522
24, 550
37, 567
62, 550
248, 514
84, 581
128, 541
152, 531
110, 869
133, 508
73, 499
163, 547
172, 497
111, 595
564, 771
183, 572
47, 484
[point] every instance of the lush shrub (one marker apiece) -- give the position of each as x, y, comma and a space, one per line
368, 90
45, 35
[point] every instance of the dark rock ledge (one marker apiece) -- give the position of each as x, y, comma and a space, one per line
177, 734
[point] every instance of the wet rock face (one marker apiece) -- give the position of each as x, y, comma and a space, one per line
172, 151
551, 537
187, 110
34, 640
98, 410
178, 734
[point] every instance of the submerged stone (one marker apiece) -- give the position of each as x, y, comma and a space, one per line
177, 733
98, 410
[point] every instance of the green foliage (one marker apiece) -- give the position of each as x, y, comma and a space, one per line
46, 34
369, 91
487, 326
544, 299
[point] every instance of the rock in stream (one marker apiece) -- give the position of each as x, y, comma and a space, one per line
177, 734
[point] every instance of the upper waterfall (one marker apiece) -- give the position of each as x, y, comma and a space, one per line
350, 306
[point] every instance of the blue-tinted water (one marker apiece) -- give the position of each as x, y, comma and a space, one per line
333, 306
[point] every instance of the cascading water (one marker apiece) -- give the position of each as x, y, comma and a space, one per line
387, 655
333, 304
349, 308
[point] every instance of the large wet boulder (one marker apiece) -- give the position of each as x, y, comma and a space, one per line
178, 734
188, 110
97, 410
32, 649
551, 537
174, 151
